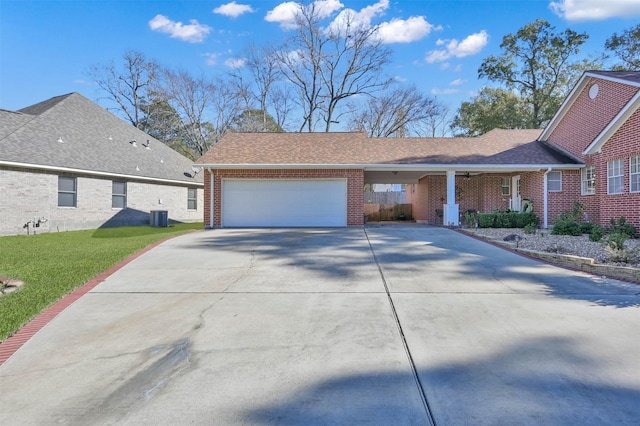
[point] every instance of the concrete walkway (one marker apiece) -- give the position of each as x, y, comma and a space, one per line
383, 325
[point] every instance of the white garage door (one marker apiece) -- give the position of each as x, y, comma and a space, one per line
247, 202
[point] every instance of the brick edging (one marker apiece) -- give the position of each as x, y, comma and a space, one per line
10, 345
570, 262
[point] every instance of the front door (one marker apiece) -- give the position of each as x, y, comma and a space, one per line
516, 198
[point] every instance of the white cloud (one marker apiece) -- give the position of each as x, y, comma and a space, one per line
235, 63
592, 10
361, 19
448, 91
193, 32
405, 31
212, 58
285, 13
325, 8
233, 9
457, 82
467, 47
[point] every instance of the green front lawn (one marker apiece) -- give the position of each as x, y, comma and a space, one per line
54, 264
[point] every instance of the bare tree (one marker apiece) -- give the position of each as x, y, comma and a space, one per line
128, 86
300, 59
329, 66
352, 66
206, 109
436, 122
399, 112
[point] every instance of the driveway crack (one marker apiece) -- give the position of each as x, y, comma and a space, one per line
414, 370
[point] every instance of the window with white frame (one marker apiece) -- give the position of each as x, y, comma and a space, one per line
588, 178
554, 181
506, 186
615, 177
118, 195
67, 191
634, 174
192, 198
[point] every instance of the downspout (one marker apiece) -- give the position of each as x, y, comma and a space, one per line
211, 199
546, 199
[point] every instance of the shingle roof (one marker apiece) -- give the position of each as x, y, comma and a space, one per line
93, 139
495, 147
629, 76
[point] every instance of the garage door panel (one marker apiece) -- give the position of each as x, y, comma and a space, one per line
284, 203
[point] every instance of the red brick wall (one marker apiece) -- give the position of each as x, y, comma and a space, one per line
588, 117
479, 192
355, 187
624, 144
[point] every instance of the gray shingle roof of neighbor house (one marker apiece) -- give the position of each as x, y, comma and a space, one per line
497, 147
70, 132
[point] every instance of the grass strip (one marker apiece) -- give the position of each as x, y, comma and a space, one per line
52, 265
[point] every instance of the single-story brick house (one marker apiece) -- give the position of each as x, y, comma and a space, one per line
68, 164
317, 179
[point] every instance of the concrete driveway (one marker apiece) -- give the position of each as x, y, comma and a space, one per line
383, 325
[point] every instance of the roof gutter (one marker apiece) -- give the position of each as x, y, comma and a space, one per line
95, 173
397, 167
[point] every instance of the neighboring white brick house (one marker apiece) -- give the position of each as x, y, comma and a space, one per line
71, 162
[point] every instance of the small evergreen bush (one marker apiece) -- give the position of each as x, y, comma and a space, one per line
621, 226
566, 226
506, 220
596, 234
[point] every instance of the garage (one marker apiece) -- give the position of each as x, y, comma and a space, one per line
284, 202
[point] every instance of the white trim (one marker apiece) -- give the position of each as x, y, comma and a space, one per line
485, 168
504, 179
583, 180
573, 95
212, 204
556, 190
614, 79
94, 173
620, 176
614, 125
632, 174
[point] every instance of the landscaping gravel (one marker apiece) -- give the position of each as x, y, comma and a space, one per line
544, 241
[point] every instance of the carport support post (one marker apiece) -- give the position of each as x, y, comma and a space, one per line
451, 209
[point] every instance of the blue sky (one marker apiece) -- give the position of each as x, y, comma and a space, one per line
47, 46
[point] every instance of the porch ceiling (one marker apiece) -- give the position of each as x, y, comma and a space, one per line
389, 175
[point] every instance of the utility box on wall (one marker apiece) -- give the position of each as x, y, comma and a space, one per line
159, 218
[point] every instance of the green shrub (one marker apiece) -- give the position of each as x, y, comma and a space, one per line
486, 220
470, 219
621, 226
596, 234
564, 225
577, 212
530, 229
506, 220
586, 227
616, 241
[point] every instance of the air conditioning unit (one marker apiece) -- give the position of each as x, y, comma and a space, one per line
159, 218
